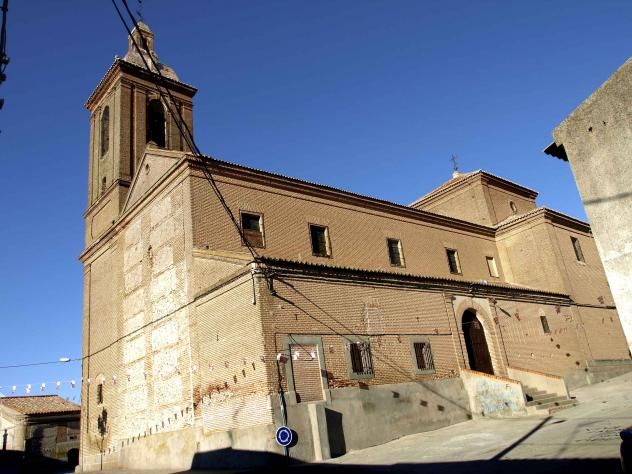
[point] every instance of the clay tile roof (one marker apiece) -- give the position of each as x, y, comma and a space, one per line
397, 274
39, 404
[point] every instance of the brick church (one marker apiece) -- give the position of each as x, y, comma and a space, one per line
354, 321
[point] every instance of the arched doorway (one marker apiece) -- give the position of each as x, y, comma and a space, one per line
476, 344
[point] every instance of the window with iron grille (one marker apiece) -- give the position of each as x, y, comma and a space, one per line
453, 261
423, 356
545, 325
395, 253
252, 228
360, 358
100, 394
320, 240
579, 255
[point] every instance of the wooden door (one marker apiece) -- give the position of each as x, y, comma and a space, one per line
477, 350
306, 371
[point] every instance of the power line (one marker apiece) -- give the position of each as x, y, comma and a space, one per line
183, 128
32, 364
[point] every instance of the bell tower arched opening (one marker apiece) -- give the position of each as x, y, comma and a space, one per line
156, 123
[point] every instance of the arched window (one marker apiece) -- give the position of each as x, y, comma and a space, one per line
104, 184
105, 130
156, 123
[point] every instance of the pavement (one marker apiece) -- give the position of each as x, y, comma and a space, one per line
578, 440
588, 432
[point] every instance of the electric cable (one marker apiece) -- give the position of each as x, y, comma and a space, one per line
179, 121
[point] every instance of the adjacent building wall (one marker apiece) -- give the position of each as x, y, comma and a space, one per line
597, 139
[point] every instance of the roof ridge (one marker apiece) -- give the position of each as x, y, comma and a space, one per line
31, 396
460, 178
447, 185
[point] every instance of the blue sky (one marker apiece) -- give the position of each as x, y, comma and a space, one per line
373, 96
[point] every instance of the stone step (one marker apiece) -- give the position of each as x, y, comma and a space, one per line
540, 395
545, 395
572, 403
556, 406
534, 392
535, 395
550, 398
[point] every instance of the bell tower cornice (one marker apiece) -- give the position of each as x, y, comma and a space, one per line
129, 74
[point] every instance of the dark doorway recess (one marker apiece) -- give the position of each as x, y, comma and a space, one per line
477, 350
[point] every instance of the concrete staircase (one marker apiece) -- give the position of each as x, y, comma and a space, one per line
539, 401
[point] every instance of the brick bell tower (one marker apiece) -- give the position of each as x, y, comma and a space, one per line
127, 118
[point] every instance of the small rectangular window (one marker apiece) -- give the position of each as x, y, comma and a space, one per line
320, 240
100, 394
423, 356
395, 254
453, 261
545, 325
491, 266
579, 255
360, 356
252, 228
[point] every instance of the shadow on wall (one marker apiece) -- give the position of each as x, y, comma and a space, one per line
225, 458
330, 319
335, 433
15, 462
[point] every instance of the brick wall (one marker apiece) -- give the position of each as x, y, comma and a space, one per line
358, 236
138, 316
232, 384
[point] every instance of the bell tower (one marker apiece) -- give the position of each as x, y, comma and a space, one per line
128, 117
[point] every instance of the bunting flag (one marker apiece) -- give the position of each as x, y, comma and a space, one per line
59, 385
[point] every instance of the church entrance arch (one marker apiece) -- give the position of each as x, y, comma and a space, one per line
476, 343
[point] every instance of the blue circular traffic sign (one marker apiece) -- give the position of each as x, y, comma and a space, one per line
284, 436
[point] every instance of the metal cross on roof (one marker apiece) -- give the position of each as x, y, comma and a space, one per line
139, 11
455, 163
